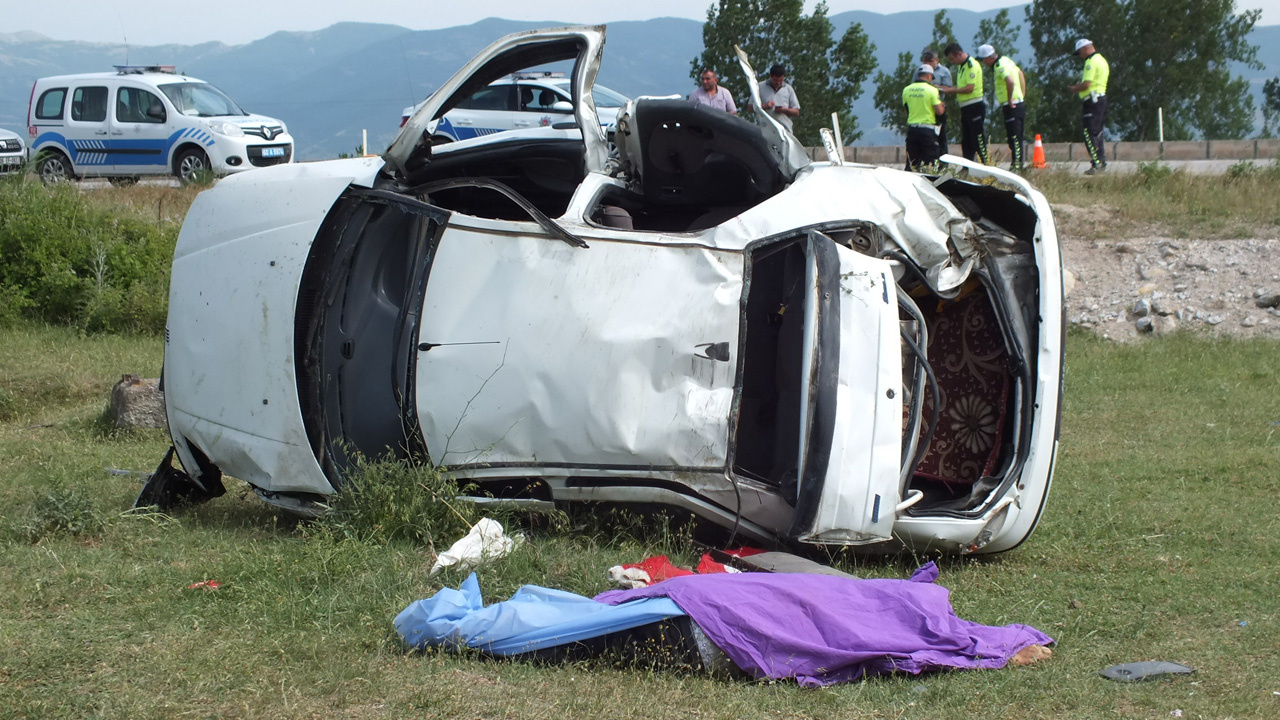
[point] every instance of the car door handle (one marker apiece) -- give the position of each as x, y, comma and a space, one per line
523, 123
465, 122
100, 132
118, 132
713, 351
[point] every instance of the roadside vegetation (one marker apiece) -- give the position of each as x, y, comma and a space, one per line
1158, 199
97, 260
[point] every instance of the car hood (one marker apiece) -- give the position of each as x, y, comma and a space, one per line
256, 228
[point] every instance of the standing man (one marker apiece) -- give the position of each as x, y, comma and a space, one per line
711, 94
973, 108
942, 81
778, 98
923, 105
1011, 90
1092, 89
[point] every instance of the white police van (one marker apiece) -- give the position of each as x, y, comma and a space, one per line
146, 120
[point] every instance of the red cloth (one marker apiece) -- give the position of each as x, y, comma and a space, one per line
661, 568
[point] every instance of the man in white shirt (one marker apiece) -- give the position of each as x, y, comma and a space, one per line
778, 98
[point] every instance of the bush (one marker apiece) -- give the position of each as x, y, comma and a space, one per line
62, 511
66, 262
388, 500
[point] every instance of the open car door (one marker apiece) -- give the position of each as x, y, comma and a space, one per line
412, 147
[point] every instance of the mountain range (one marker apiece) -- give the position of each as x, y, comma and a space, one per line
329, 85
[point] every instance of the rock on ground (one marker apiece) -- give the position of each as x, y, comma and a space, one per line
137, 403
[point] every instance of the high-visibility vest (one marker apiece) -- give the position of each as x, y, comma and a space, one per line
921, 99
1096, 71
1006, 68
969, 73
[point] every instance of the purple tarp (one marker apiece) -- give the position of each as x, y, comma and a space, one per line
823, 630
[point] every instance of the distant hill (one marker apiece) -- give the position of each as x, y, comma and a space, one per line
330, 84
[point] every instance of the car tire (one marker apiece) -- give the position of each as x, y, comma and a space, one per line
54, 167
123, 181
192, 166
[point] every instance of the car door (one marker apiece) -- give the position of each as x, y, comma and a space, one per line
87, 130
139, 132
583, 45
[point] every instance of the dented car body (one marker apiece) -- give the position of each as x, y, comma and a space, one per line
696, 316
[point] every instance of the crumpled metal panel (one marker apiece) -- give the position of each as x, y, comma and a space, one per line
907, 207
597, 355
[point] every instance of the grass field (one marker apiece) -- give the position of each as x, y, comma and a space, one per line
1161, 541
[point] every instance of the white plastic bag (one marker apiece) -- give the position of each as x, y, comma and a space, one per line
486, 541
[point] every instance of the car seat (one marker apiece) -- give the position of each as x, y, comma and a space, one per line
691, 155
546, 98
526, 97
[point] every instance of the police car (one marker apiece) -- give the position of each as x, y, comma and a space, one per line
146, 120
520, 101
13, 153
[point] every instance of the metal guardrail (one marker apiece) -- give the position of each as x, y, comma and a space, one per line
1257, 149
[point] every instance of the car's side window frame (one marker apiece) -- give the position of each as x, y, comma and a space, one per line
43, 102
78, 98
136, 113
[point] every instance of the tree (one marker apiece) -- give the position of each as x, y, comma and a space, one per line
888, 92
826, 74
1271, 107
1173, 55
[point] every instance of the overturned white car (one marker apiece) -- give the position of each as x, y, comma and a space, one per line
699, 318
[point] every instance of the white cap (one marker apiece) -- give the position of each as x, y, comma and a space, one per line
985, 51
1082, 42
924, 69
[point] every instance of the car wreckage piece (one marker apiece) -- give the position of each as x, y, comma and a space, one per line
693, 316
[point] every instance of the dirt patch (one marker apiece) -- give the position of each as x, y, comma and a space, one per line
1152, 282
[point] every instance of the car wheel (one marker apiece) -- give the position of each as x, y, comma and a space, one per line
192, 166
124, 181
54, 168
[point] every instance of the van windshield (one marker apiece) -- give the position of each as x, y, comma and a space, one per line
200, 99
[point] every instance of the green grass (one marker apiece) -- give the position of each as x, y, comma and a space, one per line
1160, 541
1239, 203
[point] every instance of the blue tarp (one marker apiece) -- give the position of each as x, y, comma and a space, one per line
534, 618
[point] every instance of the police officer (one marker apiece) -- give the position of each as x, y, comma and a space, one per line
1011, 90
1092, 89
942, 81
923, 105
973, 108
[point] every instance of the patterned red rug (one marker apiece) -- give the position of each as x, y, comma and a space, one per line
968, 356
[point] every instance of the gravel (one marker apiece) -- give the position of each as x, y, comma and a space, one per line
1153, 284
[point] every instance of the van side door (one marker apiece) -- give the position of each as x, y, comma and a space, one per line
87, 133
140, 132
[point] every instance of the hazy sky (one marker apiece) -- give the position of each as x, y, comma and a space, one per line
153, 22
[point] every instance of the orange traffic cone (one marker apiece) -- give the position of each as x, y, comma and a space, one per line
1037, 154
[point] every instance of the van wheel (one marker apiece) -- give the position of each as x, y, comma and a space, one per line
123, 181
192, 166
54, 168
